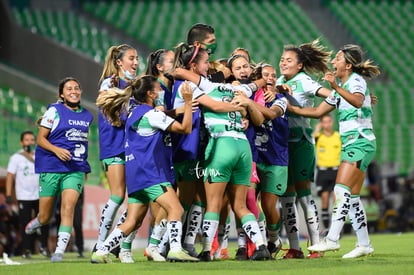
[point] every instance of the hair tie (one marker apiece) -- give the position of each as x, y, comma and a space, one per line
194, 54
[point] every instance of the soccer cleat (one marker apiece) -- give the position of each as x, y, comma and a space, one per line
190, 249
125, 257
100, 259
57, 257
261, 254
32, 227
293, 254
325, 245
274, 247
224, 254
27, 254
241, 254
45, 252
359, 251
314, 255
115, 251
204, 256
180, 256
152, 254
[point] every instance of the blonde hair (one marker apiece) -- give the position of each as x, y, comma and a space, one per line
353, 55
314, 57
114, 102
112, 55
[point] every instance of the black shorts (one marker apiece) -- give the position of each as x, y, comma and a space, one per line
325, 179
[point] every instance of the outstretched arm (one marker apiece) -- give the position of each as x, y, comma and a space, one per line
315, 112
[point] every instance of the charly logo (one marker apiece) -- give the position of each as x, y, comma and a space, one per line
75, 134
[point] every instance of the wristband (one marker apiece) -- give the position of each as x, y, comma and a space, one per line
253, 86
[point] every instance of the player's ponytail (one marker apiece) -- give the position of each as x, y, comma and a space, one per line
185, 55
114, 102
112, 55
313, 56
353, 55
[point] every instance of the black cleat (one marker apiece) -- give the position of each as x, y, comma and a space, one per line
261, 254
204, 256
241, 254
274, 247
116, 251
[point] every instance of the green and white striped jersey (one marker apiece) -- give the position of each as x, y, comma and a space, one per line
304, 89
352, 120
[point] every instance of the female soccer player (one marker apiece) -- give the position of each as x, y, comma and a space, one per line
228, 161
148, 161
296, 63
61, 160
120, 68
352, 99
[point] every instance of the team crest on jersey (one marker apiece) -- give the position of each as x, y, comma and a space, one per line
294, 85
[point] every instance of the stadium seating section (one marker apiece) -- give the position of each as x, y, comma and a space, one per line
383, 27
263, 27
19, 113
69, 29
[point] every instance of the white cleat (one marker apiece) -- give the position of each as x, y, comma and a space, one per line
325, 245
359, 251
125, 257
152, 254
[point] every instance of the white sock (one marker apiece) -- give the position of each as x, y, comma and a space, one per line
162, 247
193, 224
122, 218
251, 227
340, 211
127, 242
157, 233
262, 226
62, 242
210, 225
225, 239
358, 219
175, 230
114, 240
107, 217
241, 238
290, 220
311, 216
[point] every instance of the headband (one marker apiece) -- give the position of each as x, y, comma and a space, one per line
194, 54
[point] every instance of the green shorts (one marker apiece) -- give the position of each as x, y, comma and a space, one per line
273, 178
228, 160
362, 151
301, 161
189, 170
120, 159
52, 184
149, 194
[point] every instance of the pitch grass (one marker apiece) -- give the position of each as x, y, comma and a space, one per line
394, 254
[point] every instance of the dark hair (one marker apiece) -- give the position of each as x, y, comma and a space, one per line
257, 70
243, 50
153, 60
25, 133
198, 32
187, 54
64, 81
313, 56
233, 58
353, 55
140, 86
